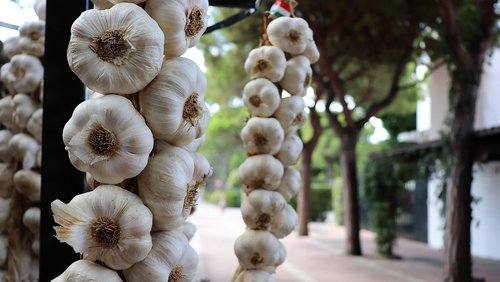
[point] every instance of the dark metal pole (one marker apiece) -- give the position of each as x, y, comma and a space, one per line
234, 3
63, 91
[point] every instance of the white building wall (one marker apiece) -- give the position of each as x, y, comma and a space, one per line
486, 184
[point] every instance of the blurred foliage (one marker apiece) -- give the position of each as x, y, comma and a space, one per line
320, 201
338, 201
232, 197
395, 124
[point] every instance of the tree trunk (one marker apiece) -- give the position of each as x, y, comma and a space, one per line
303, 203
458, 196
350, 183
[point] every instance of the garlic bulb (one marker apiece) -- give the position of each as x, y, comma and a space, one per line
40, 8
28, 183
298, 76
11, 46
260, 172
202, 168
196, 144
108, 138
290, 150
256, 249
173, 102
102, 4
289, 34
267, 62
183, 22
7, 113
31, 219
290, 184
261, 97
260, 208
6, 153
4, 247
32, 38
170, 257
24, 107
311, 52
188, 229
23, 74
84, 271
35, 123
255, 276
286, 220
291, 114
119, 50
6, 180
167, 187
262, 136
24, 149
4, 212
108, 224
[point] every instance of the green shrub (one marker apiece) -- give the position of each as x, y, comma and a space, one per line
338, 201
233, 198
320, 201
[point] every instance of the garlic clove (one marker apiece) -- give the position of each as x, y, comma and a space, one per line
173, 103
31, 219
298, 76
202, 168
289, 34
28, 183
40, 8
256, 249
286, 220
11, 46
167, 187
7, 113
261, 97
188, 229
266, 62
311, 52
84, 271
171, 256
260, 172
108, 138
261, 208
182, 23
255, 276
290, 150
118, 50
108, 224
32, 38
35, 123
23, 74
24, 107
25, 149
291, 114
290, 184
196, 144
262, 136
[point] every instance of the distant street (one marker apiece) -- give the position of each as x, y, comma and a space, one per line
318, 257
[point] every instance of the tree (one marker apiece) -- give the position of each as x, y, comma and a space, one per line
467, 29
364, 55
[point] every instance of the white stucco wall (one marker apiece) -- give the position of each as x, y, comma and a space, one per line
488, 103
435, 222
438, 83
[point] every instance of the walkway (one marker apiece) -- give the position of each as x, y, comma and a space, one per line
318, 257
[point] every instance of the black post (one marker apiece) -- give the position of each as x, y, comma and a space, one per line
63, 91
234, 4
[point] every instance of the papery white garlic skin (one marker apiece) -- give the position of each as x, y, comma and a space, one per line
23, 74
171, 258
6, 180
286, 220
35, 123
84, 271
298, 76
7, 113
202, 168
31, 219
188, 229
289, 34
167, 187
290, 150
24, 107
261, 97
25, 149
32, 38
260, 208
290, 184
311, 51
5, 152
173, 103
183, 22
256, 249
11, 46
196, 144
266, 62
108, 138
254, 276
40, 8
135, 58
260, 172
109, 224
28, 183
291, 114
102, 4
262, 136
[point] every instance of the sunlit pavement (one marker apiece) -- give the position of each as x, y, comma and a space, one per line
318, 257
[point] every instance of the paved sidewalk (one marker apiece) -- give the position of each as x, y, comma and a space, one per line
319, 257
